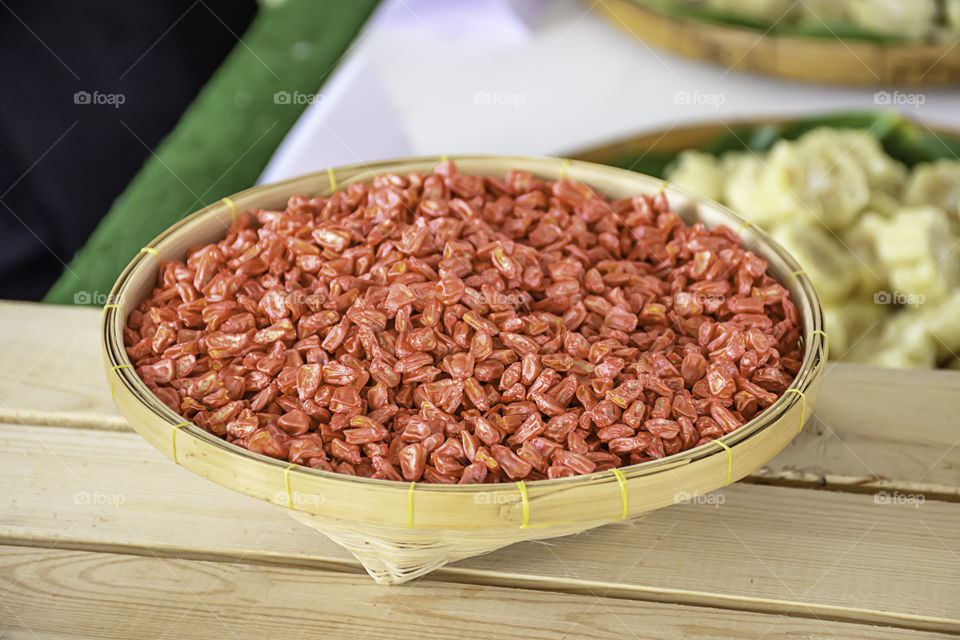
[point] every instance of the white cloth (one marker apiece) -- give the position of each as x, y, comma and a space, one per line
350, 122
429, 77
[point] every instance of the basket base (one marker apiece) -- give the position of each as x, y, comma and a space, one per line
393, 555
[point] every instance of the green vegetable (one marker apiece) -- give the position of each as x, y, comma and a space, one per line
843, 30
907, 141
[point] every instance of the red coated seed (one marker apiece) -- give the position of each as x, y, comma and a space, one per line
460, 329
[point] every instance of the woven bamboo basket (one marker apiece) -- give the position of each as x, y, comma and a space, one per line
810, 59
400, 531
672, 140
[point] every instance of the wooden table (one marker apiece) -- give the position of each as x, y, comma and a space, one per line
852, 532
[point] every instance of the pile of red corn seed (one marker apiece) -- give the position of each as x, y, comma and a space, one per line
462, 329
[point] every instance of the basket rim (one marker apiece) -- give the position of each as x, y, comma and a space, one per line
814, 354
922, 63
819, 42
646, 139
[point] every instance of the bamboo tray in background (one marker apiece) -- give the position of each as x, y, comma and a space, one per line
811, 59
400, 530
907, 140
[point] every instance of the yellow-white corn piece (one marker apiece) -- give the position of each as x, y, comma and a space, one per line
698, 172
883, 203
834, 323
860, 240
746, 191
849, 324
812, 182
830, 266
938, 184
920, 252
943, 322
883, 173
906, 343
953, 15
908, 18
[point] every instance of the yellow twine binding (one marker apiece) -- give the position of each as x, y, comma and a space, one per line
152, 251
663, 187
826, 342
333, 181
729, 459
525, 504
803, 405
114, 305
173, 440
413, 485
622, 481
795, 274
233, 207
563, 168
286, 483
444, 158
743, 226
110, 378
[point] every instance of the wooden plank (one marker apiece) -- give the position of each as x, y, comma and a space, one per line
118, 596
873, 428
51, 367
772, 549
879, 429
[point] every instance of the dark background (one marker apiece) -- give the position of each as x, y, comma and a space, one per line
61, 163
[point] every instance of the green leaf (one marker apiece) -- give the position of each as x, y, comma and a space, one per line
903, 139
803, 28
705, 14
839, 30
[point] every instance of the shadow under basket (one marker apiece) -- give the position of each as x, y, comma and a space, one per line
399, 530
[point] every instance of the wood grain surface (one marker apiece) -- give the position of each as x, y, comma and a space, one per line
118, 541
872, 428
107, 596
746, 546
